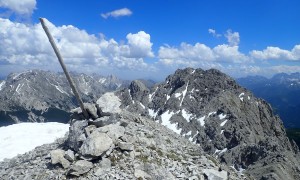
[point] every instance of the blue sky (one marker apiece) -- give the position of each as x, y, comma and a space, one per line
151, 38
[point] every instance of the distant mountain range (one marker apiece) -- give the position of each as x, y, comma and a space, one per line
40, 96
282, 91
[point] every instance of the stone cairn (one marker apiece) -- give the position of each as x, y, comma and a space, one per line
90, 139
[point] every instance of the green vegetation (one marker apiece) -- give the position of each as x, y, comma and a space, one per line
294, 133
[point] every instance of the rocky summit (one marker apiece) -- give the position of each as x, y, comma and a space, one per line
117, 144
210, 109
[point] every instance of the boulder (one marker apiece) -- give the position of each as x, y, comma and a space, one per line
96, 144
126, 146
109, 102
102, 121
105, 166
91, 109
114, 131
76, 134
215, 175
57, 157
69, 155
80, 167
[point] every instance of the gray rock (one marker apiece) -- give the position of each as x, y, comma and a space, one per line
69, 155
88, 130
91, 109
105, 167
141, 174
80, 167
76, 134
102, 121
57, 157
213, 174
109, 103
126, 146
114, 131
96, 144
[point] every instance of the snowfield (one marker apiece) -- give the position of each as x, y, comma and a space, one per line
21, 138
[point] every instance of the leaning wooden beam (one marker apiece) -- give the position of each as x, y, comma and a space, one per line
60, 59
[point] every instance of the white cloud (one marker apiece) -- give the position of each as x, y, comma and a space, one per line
214, 33
194, 54
273, 53
117, 13
25, 7
233, 38
187, 52
28, 45
229, 53
140, 44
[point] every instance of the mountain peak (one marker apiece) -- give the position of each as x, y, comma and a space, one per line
209, 108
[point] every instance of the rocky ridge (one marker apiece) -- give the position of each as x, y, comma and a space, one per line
210, 109
39, 96
116, 144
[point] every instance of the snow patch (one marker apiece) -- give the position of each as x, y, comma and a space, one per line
241, 96
186, 115
142, 105
184, 93
177, 95
211, 113
189, 133
249, 98
60, 90
222, 131
192, 91
165, 117
152, 113
222, 116
102, 80
220, 151
168, 97
2, 84
223, 123
21, 138
151, 95
201, 121
19, 87
130, 96
193, 71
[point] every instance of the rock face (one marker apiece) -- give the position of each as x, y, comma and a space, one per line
133, 147
40, 96
282, 91
226, 120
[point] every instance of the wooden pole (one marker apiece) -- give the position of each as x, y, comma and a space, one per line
60, 59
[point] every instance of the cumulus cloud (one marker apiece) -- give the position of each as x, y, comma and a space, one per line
229, 53
28, 45
22, 7
275, 53
117, 13
140, 44
195, 54
233, 38
214, 33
